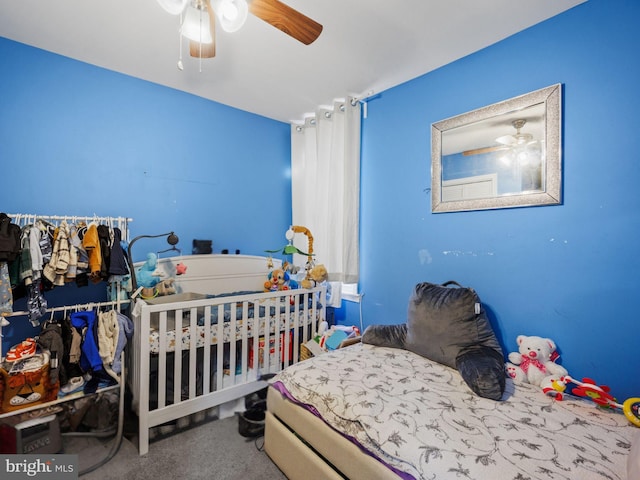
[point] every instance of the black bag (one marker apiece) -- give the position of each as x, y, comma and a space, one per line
202, 247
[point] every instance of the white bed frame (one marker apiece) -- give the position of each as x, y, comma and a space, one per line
214, 275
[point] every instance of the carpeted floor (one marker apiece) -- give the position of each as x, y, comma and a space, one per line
212, 450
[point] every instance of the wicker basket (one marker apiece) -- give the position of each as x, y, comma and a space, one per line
305, 353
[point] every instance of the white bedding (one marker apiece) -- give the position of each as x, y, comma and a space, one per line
420, 418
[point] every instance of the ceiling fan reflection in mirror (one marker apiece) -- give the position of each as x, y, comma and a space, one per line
198, 21
507, 142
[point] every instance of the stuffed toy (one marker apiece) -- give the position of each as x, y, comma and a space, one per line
534, 363
317, 274
449, 326
146, 275
279, 279
166, 287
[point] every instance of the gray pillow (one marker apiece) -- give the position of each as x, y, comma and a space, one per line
449, 326
444, 322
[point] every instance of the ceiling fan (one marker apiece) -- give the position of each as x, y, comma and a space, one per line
199, 20
506, 142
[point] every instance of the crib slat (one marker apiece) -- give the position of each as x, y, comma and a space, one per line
244, 354
220, 337
271, 303
177, 358
162, 360
296, 329
233, 325
207, 351
193, 344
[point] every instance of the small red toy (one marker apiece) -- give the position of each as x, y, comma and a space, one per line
601, 396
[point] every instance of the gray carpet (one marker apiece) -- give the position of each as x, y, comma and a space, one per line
212, 450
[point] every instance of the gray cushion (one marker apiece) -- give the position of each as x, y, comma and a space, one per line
444, 322
448, 325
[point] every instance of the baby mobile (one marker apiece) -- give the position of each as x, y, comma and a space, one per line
281, 278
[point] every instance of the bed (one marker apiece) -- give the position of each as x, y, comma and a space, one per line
376, 412
212, 342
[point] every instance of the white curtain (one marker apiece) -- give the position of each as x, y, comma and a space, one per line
325, 171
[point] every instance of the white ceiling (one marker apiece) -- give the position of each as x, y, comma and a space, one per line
367, 46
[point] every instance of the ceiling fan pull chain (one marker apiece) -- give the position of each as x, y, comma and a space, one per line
180, 65
200, 43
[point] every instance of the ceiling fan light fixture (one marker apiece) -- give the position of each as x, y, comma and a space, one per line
196, 25
518, 138
174, 7
231, 13
506, 140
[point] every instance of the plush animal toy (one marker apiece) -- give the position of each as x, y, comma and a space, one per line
317, 274
277, 280
146, 275
166, 287
534, 363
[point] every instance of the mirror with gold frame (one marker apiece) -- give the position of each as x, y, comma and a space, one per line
504, 155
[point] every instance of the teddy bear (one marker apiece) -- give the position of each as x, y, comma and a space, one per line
534, 363
317, 274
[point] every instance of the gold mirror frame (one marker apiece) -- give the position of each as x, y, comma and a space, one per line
486, 120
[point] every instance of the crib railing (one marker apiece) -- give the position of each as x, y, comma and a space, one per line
186, 357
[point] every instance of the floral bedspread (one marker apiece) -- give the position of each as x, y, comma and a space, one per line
419, 417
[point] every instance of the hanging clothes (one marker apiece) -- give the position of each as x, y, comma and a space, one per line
36, 303
9, 239
104, 237
26, 265
91, 243
51, 338
46, 239
118, 263
72, 338
56, 269
90, 360
6, 295
114, 331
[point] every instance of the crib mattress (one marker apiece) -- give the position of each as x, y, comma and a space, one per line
420, 419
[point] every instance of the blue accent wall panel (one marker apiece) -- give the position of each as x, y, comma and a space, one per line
567, 272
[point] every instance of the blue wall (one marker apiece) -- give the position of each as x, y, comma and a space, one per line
567, 272
80, 140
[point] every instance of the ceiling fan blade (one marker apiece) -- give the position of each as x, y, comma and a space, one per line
479, 151
285, 18
205, 50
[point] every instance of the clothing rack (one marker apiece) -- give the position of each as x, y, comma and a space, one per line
122, 223
23, 219
77, 308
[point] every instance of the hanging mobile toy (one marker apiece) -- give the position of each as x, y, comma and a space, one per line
601, 396
290, 248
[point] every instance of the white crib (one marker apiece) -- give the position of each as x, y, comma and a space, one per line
211, 343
